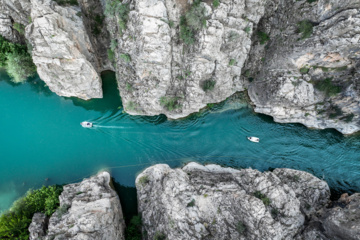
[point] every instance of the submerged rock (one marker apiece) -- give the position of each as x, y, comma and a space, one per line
212, 202
88, 210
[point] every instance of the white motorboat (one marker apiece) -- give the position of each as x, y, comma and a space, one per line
86, 124
254, 139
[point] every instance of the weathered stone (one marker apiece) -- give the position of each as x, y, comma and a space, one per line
88, 210
213, 202
38, 226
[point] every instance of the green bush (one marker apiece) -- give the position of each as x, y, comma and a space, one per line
116, 8
20, 66
348, 118
111, 55
191, 203
335, 111
143, 180
7, 47
262, 197
327, 87
133, 230
208, 85
193, 21
14, 223
305, 27
232, 62
216, 3
304, 70
263, 37
169, 103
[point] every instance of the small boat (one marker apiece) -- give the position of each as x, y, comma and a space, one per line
253, 139
86, 124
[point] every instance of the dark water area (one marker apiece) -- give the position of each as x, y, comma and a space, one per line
41, 138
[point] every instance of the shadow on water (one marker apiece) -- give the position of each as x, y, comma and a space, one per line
111, 98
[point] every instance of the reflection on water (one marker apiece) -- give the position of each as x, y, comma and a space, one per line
41, 138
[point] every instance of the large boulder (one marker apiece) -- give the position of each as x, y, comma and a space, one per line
212, 202
88, 210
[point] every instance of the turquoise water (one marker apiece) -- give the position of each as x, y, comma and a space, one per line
41, 138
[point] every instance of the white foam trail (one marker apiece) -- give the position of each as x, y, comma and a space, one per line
98, 126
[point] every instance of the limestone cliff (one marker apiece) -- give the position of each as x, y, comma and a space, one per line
308, 72
213, 202
88, 210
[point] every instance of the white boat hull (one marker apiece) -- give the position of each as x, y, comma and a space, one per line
86, 124
253, 139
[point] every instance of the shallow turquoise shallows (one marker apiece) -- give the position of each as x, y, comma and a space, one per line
41, 138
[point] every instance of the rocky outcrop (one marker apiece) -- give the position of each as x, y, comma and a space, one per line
158, 73
88, 210
309, 70
212, 202
38, 226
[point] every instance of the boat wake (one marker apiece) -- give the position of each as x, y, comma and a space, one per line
118, 127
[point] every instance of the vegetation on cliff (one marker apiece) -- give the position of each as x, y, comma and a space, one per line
14, 223
16, 60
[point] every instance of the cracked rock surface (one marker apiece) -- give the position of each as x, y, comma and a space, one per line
212, 202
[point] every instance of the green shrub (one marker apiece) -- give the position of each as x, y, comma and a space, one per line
216, 3
7, 47
232, 62
305, 27
340, 69
169, 103
304, 70
159, 236
20, 66
191, 203
208, 85
193, 21
348, 118
247, 29
111, 55
14, 224
262, 197
335, 111
274, 212
19, 27
116, 8
311, 1
241, 228
327, 87
133, 230
263, 37
125, 57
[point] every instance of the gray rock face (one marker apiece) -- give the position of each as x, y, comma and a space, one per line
62, 50
313, 80
343, 222
212, 202
38, 226
88, 210
152, 62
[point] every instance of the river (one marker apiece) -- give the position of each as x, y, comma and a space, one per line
42, 142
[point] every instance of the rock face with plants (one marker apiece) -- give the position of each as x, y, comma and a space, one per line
212, 202
307, 71
88, 210
174, 57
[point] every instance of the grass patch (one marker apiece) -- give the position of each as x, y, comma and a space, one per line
19, 27
159, 236
192, 22
233, 36
117, 8
263, 37
327, 87
208, 85
14, 223
169, 103
262, 197
232, 62
305, 27
111, 55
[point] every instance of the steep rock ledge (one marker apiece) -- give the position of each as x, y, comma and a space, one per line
154, 66
88, 210
212, 202
309, 70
